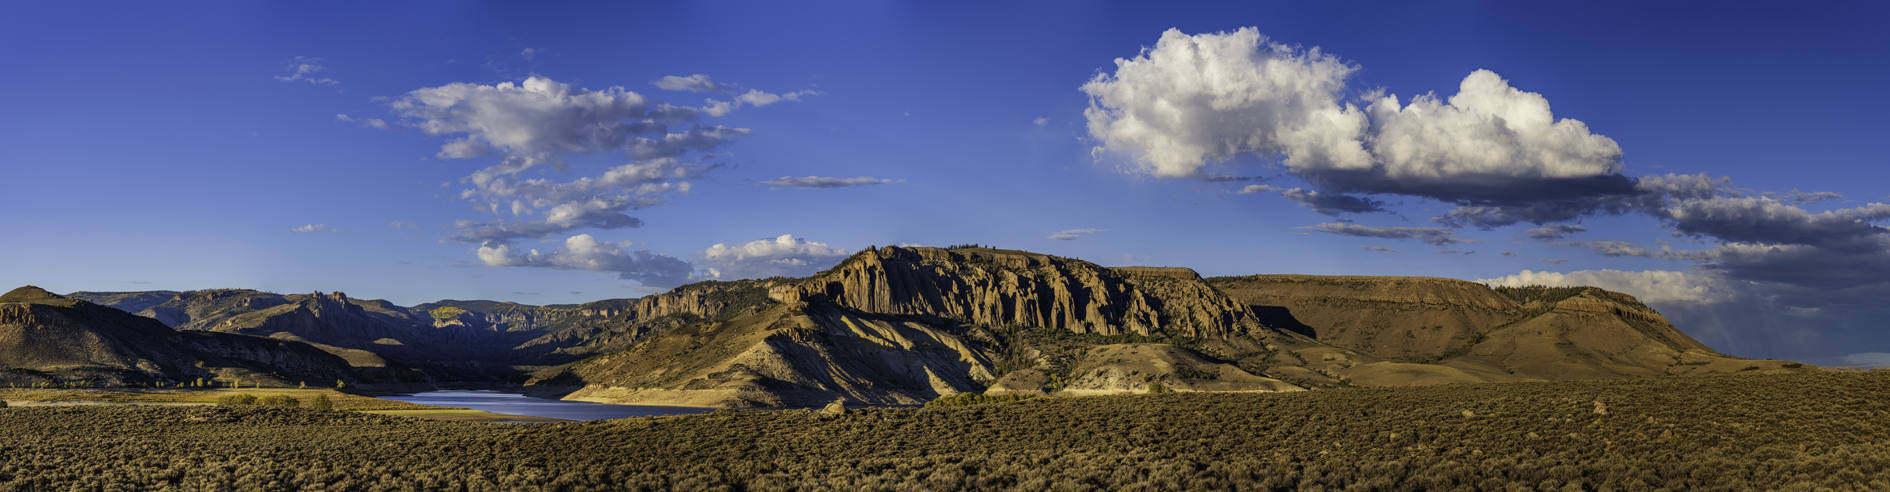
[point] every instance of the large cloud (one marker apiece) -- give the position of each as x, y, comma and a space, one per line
784, 256
1191, 101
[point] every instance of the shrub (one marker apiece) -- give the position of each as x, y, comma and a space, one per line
280, 401
235, 400
1154, 388
969, 399
321, 402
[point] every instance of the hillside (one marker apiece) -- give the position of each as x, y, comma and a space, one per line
1415, 330
47, 338
905, 325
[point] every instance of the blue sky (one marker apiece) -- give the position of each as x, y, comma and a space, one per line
164, 147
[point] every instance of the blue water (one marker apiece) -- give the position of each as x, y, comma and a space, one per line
517, 404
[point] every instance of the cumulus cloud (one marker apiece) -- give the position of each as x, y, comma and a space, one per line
1191, 101
784, 256
583, 252
1649, 286
1074, 234
1379, 249
314, 228
1041, 121
704, 83
1435, 236
1553, 232
303, 68
820, 182
1251, 189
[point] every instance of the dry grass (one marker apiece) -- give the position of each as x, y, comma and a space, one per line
342, 400
1805, 431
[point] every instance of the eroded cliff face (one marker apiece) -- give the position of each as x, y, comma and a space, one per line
999, 287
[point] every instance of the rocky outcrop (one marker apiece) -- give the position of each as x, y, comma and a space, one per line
999, 287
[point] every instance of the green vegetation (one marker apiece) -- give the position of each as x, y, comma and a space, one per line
969, 399
1158, 388
447, 313
236, 400
1801, 431
285, 401
321, 402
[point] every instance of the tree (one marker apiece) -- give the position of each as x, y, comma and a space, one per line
339, 384
305, 385
285, 401
322, 402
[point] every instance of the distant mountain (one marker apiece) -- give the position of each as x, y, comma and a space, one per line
900, 325
50, 338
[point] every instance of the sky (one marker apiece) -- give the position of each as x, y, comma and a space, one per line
1720, 161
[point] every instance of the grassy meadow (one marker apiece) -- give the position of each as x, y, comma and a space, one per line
1805, 431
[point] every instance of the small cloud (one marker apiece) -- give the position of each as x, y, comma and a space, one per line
524, 293
1509, 253
1379, 249
1455, 252
1555, 261
694, 83
314, 228
369, 122
1554, 232
576, 292
137, 282
1251, 189
1074, 234
1435, 236
403, 225
1869, 359
819, 182
1041, 121
303, 68
528, 53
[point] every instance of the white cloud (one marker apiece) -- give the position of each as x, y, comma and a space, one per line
819, 182
1868, 359
694, 83
1041, 121
402, 225
369, 122
583, 252
1074, 234
528, 53
314, 228
540, 122
784, 256
303, 68
1652, 286
1251, 189
1191, 101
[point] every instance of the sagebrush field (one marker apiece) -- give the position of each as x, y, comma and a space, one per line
1767, 432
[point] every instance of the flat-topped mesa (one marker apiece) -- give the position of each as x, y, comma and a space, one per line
1411, 290
1149, 271
1000, 287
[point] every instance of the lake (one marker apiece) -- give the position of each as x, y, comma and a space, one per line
518, 404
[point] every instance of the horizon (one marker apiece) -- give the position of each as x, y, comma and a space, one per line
1715, 163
